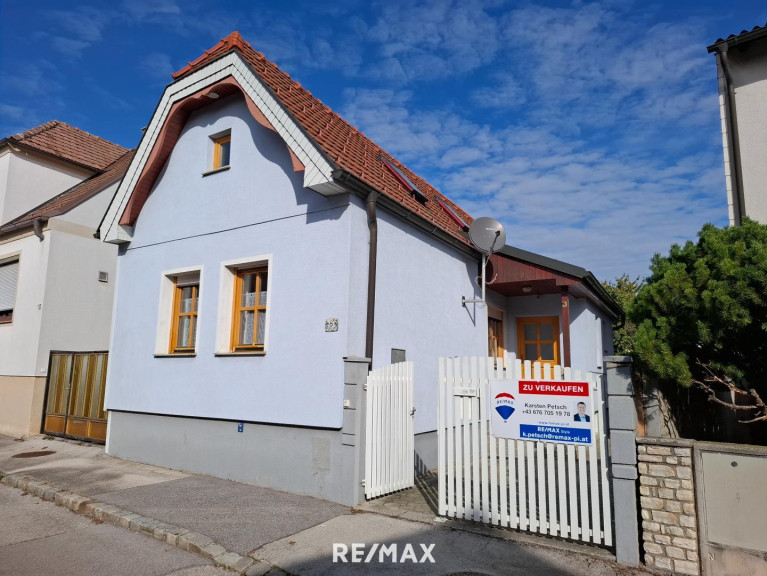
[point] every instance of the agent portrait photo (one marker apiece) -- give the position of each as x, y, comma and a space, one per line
581, 416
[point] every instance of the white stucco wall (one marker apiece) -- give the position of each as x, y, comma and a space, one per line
19, 339
749, 78
33, 179
420, 282
77, 308
258, 208
590, 327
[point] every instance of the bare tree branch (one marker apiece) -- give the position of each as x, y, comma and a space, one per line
759, 408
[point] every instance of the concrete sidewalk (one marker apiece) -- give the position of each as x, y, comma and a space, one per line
256, 530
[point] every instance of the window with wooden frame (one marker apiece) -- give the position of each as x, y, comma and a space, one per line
249, 314
538, 339
221, 151
495, 339
9, 275
183, 332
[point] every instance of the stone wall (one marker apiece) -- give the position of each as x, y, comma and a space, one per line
667, 500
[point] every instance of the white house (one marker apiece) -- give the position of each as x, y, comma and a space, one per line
741, 64
55, 184
265, 246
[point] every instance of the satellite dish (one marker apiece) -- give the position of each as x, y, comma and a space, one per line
487, 235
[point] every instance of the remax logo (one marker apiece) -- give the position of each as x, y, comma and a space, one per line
504, 405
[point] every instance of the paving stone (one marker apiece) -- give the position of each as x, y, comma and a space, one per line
125, 519
148, 527
212, 550
227, 559
135, 523
194, 542
101, 512
49, 494
242, 564
173, 534
63, 497
88, 509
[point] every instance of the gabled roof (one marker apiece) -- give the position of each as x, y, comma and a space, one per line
74, 196
68, 143
743, 37
344, 145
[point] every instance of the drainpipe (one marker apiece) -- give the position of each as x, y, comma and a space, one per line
37, 228
373, 228
736, 176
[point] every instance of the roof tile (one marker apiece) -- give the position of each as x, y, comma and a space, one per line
70, 144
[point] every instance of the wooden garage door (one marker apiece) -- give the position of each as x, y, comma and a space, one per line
74, 405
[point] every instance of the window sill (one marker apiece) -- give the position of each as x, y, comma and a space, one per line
216, 171
240, 354
180, 355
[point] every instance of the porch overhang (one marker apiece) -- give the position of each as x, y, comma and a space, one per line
515, 272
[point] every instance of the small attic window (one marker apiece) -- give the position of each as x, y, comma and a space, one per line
453, 214
412, 188
222, 144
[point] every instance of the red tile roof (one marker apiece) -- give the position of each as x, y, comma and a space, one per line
75, 195
341, 142
70, 144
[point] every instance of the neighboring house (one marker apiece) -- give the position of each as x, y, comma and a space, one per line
56, 279
741, 63
265, 246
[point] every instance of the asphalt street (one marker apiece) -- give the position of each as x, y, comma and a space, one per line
39, 538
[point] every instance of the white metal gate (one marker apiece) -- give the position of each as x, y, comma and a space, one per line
555, 489
389, 451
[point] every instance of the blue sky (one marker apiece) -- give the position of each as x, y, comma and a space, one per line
589, 129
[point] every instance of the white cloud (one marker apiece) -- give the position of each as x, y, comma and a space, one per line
428, 40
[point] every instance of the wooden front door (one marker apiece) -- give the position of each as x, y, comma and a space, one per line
74, 404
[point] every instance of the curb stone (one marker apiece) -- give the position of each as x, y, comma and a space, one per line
111, 514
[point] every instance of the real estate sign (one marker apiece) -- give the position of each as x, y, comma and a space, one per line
547, 410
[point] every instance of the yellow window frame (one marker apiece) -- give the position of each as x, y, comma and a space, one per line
238, 308
538, 321
178, 314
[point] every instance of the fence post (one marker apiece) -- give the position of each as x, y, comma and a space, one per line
353, 431
622, 425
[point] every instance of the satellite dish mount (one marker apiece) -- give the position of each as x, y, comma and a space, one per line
488, 236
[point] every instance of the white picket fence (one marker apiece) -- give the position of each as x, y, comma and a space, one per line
555, 489
389, 451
